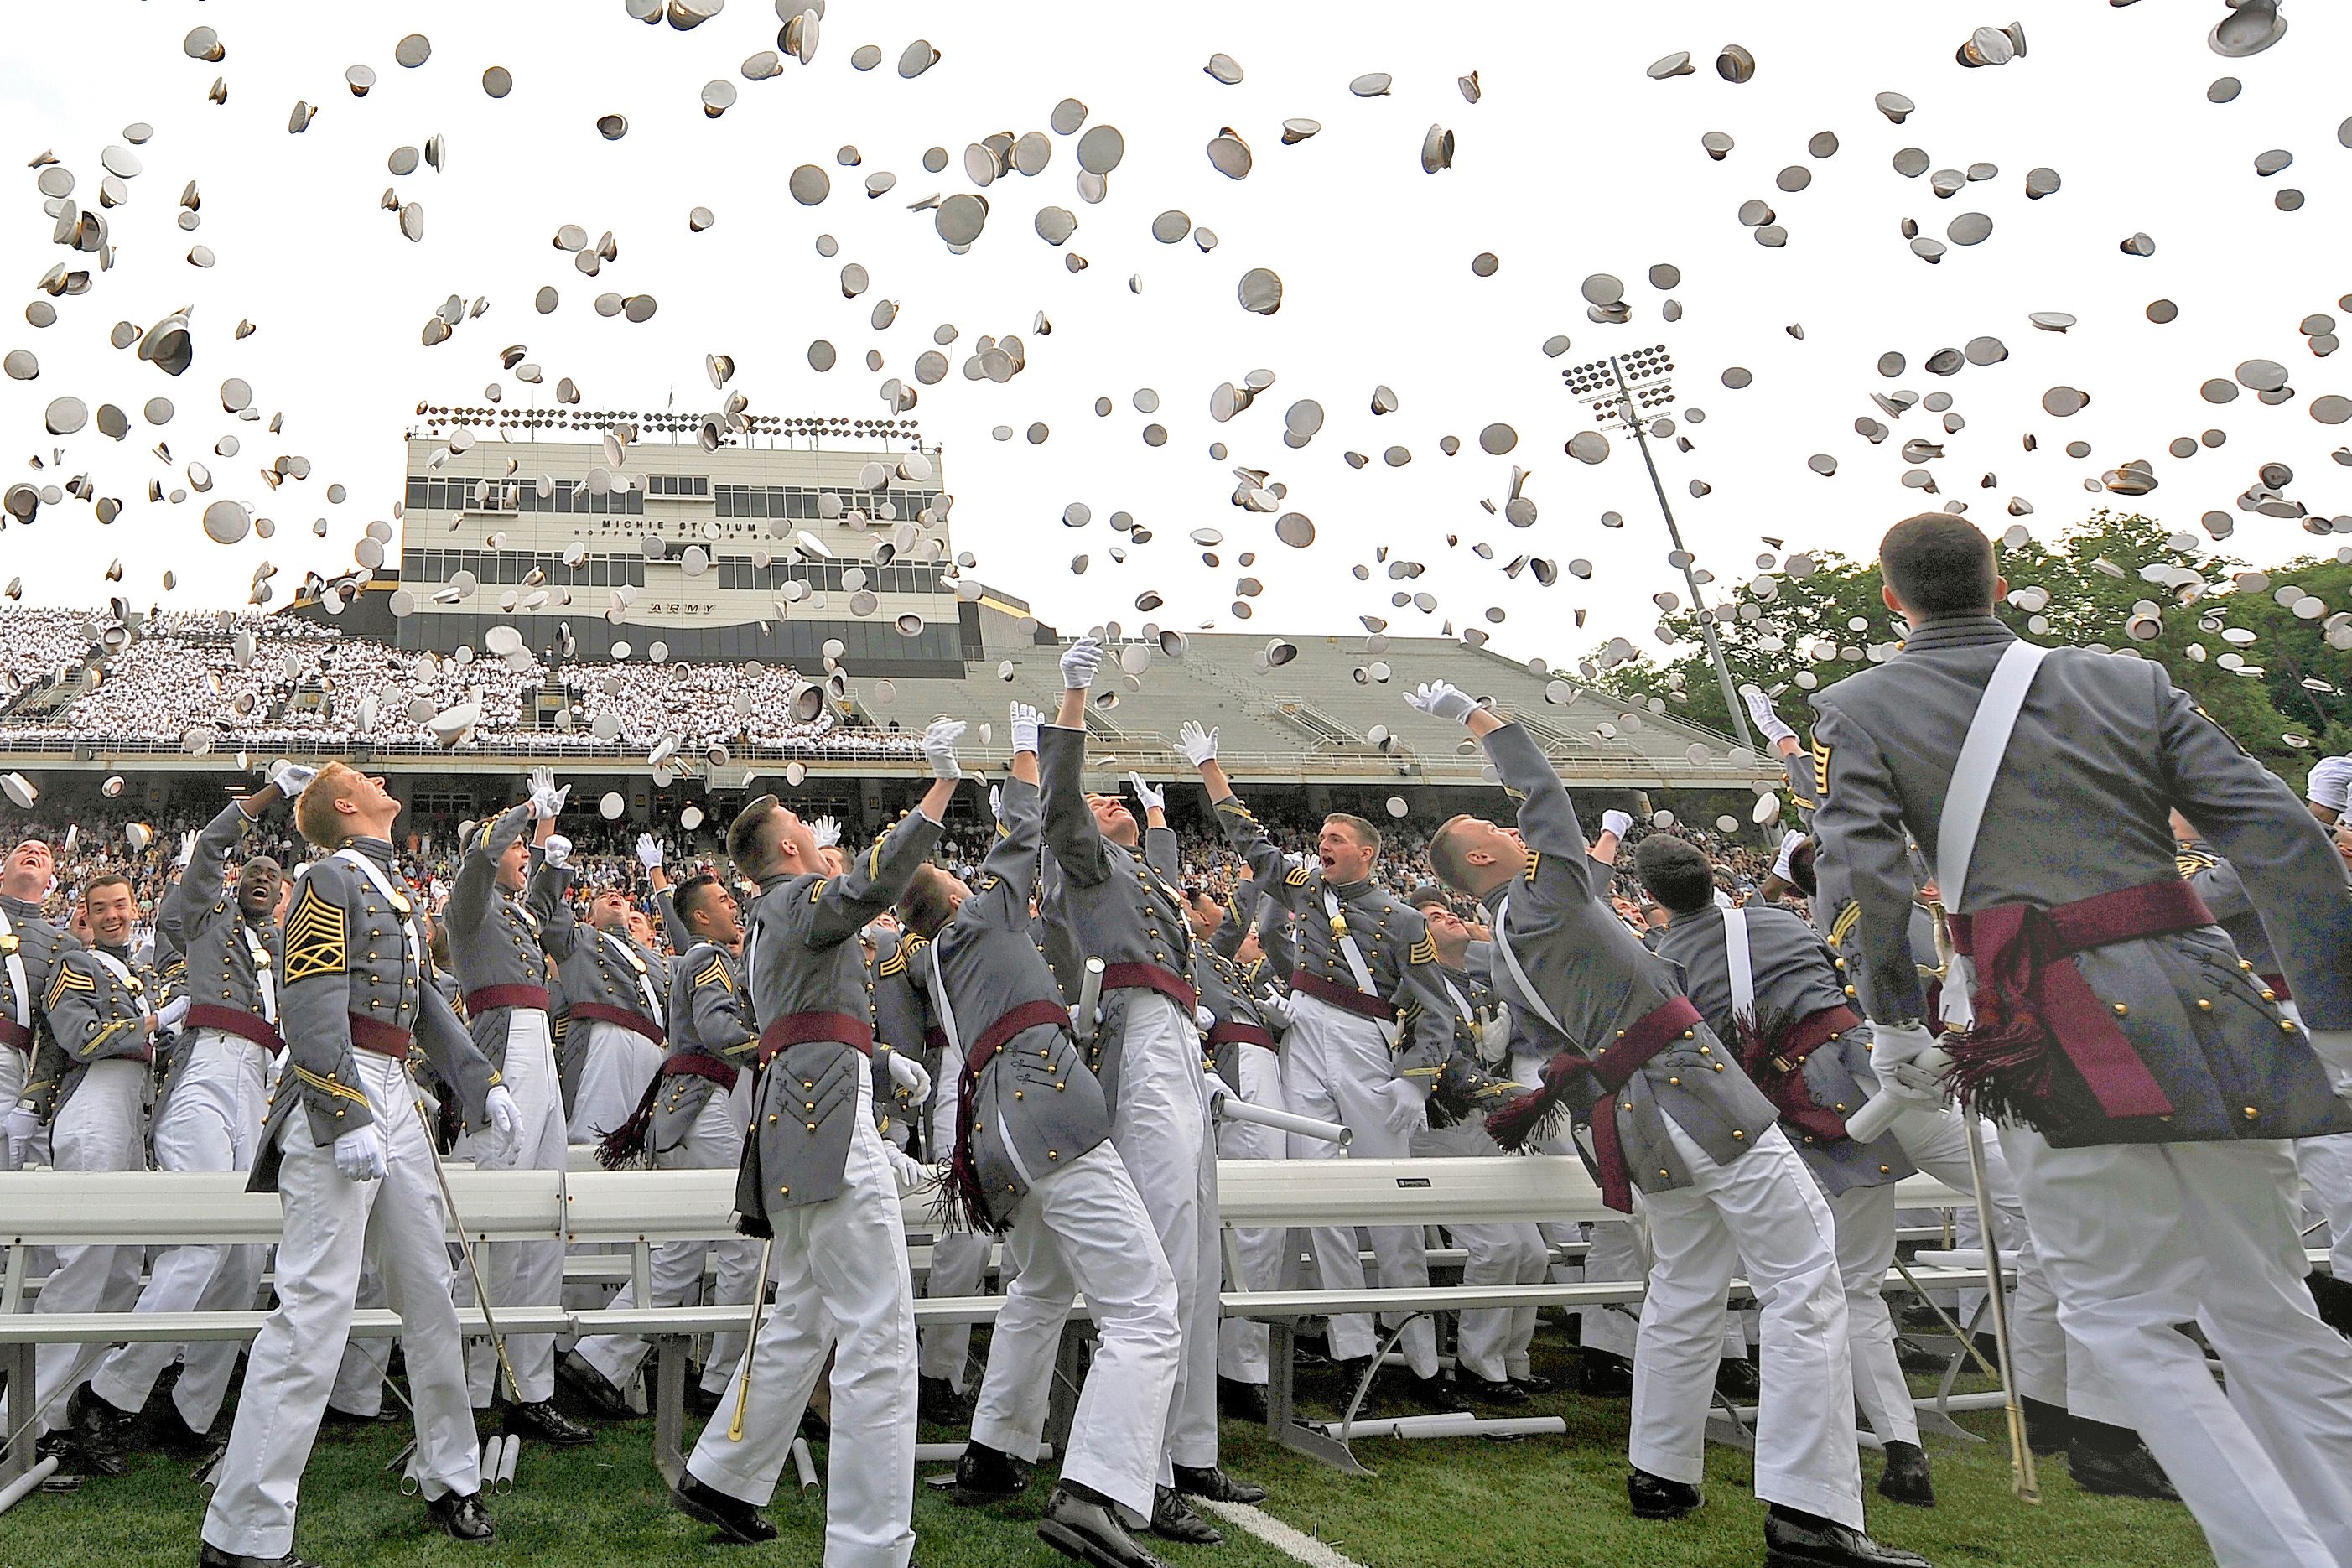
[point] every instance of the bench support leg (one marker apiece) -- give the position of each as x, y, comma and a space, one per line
1281, 1407
670, 1407
1937, 1416
1070, 1362
22, 1393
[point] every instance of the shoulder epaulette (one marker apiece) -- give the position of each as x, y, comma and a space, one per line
316, 942
1843, 926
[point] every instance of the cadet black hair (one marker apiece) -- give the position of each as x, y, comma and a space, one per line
1801, 868
1938, 564
927, 904
1678, 874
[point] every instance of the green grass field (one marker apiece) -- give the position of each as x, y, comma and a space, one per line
1464, 1504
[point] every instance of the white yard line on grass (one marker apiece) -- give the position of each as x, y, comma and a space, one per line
1278, 1535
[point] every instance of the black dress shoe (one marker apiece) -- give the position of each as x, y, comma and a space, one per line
383, 1417
732, 1518
1434, 1395
460, 1515
1172, 1519
1090, 1530
602, 1397
1212, 1482
1534, 1386
985, 1475
2049, 1430
1654, 1496
1351, 1375
1806, 1541
2129, 1472
1600, 1376
98, 1430
211, 1556
1912, 1356
936, 1400
1481, 1392
701, 1401
1739, 1381
2333, 1297
814, 1427
544, 1423
1239, 1401
1906, 1480
170, 1431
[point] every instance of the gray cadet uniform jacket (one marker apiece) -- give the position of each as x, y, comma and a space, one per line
36, 942
1027, 1104
710, 1042
1601, 982
903, 1022
208, 949
1103, 901
1796, 979
499, 943
94, 1015
1393, 938
357, 979
2104, 747
1230, 999
1467, 1086
807, 973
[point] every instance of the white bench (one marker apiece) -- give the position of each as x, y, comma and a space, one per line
641, 1209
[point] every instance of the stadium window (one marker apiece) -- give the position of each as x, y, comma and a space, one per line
758, 500
416, 490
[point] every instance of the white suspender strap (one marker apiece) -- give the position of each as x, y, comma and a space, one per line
1357, 966
1526, 987
19, 987
1461, 1008
1973, 773
654, 1008
121, 972
1742, 964
945, 1009
263, 979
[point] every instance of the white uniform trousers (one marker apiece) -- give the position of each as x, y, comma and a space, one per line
1866, 1249
1082, 1230
958, 1258
1762, 1211
1161, 1128
99, 1129
211, 1123
1336, 1067
329, 1223
520, 1273
2138, 1238
2326, 1167
359, 1380
715, 1143
1490, 1345
840, 1273
616, 1064
1241, 1345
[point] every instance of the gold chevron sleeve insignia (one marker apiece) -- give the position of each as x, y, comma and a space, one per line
1298, 877
1821, 768
1843, 927
316, 942
2191, 862
68, 978
1424, 951
714, 972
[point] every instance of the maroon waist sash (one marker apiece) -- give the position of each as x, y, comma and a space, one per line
799, 1029
1151, 977
1234, 1029
230, 1021
2277, 983
15, 1035
481, 1001
636, 1022
962, 1192
375, 1035
695, 1064
2032, 1004
1615, 1067
1346, 997
1778, 1067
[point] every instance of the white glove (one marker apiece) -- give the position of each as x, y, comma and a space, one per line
826, 831
1198, 745
359, 1154
1616, 822
649, 851
1789, 842
188, 850
1760, 713
499, 1108
2331, 779
1277, 1008
913, 1175
996, 802
2334, 1048
559, 851
293, 779
1906, 1061
1441, 700
546, 800
23, 1127
1405, 1108
1152, 799
172, 1014
1205, 1019
908, 1074
938, 747
1024, 722
1079, 662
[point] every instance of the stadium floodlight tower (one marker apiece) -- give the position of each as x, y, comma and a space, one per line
1626, 391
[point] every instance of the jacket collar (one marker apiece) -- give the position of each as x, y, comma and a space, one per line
1987, 630
376, 849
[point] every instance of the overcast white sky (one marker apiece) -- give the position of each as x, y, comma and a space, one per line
1573, 161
